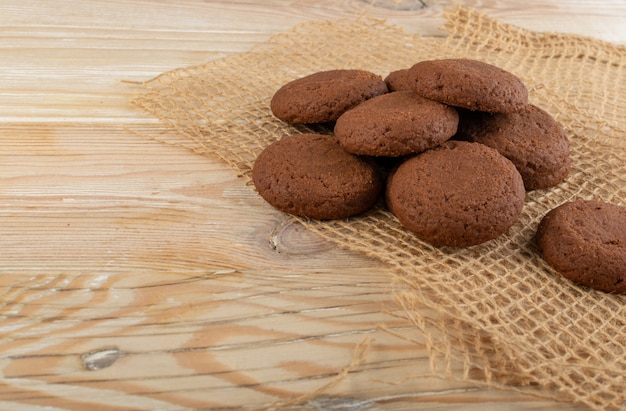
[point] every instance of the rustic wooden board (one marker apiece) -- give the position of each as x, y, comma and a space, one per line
138, 275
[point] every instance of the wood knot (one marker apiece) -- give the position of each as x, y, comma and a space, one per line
101, 358
290, 237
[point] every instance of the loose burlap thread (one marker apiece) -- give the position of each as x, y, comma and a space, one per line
495, 311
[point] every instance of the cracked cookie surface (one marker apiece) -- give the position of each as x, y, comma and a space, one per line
585, 241
459, 194
470, 84
396, 124
323, 96
310, 175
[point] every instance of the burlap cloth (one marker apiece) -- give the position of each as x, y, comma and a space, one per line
495, 311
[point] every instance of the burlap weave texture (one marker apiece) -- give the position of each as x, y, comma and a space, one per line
497, 309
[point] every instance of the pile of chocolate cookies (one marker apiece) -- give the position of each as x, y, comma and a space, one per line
425, 122
453, 145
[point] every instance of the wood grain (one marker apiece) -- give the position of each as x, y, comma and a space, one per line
136, 275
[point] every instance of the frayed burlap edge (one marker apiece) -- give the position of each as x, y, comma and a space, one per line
496, 309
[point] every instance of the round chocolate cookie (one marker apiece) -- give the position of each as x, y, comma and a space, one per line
458, 194
469, 84
530, 138
310, 175
324, 96
585, 241
395, 124
399, 80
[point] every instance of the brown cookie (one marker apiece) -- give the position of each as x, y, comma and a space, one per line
310, 175
459, 194
585, 241
399, 80
324, 96
395, 124
530, 138
469, 84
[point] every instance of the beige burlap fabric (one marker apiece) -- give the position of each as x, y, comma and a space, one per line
495, 311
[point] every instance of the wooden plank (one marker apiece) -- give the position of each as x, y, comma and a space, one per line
137, 275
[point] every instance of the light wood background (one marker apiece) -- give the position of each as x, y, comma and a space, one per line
135, 275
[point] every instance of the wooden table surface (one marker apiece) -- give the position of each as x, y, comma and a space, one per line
136, 275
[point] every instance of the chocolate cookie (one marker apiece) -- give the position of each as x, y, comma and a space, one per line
459, 194
399, 80
310, 175
585, 241
530, 138
324, 96
469, 84
395, 124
